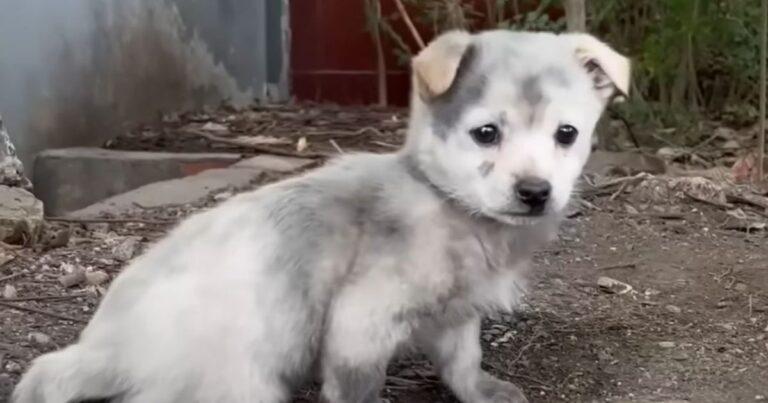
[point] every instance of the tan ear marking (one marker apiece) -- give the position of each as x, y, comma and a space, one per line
435, 67
604, 62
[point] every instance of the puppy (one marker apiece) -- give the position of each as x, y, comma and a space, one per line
342, 266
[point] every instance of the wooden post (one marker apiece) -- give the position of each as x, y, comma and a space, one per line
576, 15
763, 55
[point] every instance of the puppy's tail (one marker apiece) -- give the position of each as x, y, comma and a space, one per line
68, 375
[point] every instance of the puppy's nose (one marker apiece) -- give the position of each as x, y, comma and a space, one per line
533, 192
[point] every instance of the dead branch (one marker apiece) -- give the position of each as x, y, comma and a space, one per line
626, 265
47, 298
404, 13
41, 312
97, 220
10, 277
255, 147
714, 203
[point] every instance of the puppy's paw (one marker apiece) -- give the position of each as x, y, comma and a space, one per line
498, 391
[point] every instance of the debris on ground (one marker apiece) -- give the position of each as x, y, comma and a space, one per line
697, 331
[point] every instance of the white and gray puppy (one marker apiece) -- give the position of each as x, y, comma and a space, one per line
342, 266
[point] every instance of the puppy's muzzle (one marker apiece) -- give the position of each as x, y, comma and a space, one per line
534, 193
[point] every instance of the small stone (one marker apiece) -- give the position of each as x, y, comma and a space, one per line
223, 196
652, 292
214, 127
680, 356
76, 277
667, 344
41, 339
126, 249
731, 145
9, 292
13, 367
760, 398
740, 287
724, 304
673, 309
97, 277
613, 286
98, 228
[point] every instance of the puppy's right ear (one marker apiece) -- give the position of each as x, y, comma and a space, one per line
435, 67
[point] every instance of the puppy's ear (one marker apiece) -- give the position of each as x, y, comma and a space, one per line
435, 67
610, 71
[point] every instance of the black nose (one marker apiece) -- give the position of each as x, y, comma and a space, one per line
533, 192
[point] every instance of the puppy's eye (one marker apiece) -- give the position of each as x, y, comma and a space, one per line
566, 135
486, 135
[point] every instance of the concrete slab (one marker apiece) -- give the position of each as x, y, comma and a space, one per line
175, 191
274, 163
72, 178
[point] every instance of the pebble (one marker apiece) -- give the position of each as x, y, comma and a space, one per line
97, 277
681, 356
612, 286
76, 277
13, 367
727, 326
760, 398
41, 339
127, 248
673, 309
223, 196
99, 228
724, 304
9, 292
666, 344
740, 287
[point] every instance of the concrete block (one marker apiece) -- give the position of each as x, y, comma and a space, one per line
175, 191
72, 178
274, 163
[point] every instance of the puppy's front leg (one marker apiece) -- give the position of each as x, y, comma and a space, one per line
455, 351
357, 348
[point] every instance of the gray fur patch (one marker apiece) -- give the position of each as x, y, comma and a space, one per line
468, 88
485, 168
533, 99
557, 75
531, 90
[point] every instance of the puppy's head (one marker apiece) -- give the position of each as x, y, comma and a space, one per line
502, 121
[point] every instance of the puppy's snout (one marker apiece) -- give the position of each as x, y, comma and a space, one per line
534, 193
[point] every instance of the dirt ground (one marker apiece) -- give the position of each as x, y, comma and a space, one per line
693, 327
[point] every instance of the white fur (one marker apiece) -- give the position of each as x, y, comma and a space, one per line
339, 267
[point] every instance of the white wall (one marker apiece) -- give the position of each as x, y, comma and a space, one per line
75, 72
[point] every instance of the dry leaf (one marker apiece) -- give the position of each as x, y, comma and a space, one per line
214, 127
302, 144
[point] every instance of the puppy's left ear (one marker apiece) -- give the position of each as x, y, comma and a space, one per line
610, 70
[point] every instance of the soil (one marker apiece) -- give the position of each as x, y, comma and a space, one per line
326, 129
693, 327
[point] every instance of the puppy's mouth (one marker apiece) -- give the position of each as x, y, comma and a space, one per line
520, 218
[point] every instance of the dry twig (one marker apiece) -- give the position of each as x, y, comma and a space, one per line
41, 312
409, 23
